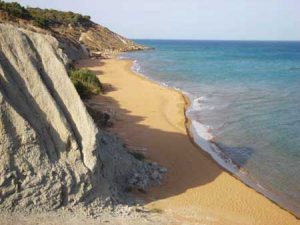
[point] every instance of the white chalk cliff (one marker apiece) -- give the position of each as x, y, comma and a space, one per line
51, 152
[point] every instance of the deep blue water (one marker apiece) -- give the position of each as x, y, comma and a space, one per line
245, 105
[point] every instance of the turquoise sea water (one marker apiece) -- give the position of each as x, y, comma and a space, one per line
245, 107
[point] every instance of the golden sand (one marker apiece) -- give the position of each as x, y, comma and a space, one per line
196, 190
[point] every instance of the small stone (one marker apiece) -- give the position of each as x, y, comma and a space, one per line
155, 175
163, 170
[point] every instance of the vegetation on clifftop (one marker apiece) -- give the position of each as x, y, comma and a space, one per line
85, 82
52, 17
44, 17
73, 30
15, 9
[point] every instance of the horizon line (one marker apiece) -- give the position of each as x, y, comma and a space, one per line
177, 39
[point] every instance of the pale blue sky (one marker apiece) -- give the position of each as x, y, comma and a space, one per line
190, 19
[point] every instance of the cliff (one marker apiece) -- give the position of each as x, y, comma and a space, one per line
52, 153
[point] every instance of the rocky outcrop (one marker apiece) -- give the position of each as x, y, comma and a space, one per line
100, 39
51, 152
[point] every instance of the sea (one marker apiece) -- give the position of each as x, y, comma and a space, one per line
245, 106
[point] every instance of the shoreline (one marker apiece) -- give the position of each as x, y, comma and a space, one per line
280, 201
248, 182
244, 194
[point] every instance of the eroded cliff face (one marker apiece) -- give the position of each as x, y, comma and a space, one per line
51, 152
48, 141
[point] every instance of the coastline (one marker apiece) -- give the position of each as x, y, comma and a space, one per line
246, 181
189, 199
232, 168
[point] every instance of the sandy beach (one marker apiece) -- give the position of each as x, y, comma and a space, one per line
196, 190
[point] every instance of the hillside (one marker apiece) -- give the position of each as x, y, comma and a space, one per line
76, 33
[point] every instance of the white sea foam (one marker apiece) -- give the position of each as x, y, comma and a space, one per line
121, 57
198, 104
136, 66
178, 89
204, 138
202, 130
164, 84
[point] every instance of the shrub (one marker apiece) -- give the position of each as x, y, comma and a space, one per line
44, 17
40, 22
55, 17
15, 9
85, 82
137, 155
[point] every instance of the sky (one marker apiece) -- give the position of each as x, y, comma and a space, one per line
189, 19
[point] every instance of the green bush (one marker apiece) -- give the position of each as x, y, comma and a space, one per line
40, 22
85, 82
138, 155
55, 17
44, 17
15, 9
